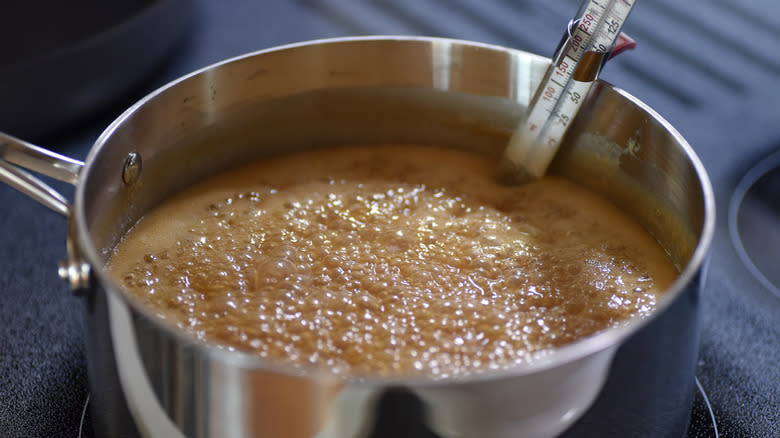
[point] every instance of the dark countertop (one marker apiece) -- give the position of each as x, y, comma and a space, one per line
711, 68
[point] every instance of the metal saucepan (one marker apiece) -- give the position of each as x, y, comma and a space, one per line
149, 379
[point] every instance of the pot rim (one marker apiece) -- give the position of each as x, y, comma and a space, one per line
546, 360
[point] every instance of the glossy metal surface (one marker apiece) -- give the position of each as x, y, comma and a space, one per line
16, 154
151, 380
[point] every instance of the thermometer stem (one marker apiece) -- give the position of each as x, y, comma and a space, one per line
577, 62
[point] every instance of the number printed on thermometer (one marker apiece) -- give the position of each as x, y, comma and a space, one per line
566, 83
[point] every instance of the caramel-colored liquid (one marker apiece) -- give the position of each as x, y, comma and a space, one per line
390, 260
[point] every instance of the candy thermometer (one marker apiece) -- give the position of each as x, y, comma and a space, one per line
587, 44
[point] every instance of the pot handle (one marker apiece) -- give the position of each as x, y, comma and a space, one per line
17, 154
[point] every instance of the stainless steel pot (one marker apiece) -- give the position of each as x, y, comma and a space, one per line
149, 379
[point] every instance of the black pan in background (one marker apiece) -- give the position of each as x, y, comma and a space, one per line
60, 61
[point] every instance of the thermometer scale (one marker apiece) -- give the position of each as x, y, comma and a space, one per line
587, 44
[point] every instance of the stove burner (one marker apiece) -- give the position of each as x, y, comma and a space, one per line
84, 423
703, 424
754, 221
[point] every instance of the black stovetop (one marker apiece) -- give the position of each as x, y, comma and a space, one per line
711, 67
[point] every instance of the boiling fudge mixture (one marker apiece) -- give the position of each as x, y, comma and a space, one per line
390, 260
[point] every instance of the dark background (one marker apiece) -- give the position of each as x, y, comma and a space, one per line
712, 68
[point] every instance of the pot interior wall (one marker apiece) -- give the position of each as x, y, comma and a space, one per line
664, 197
471, 98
